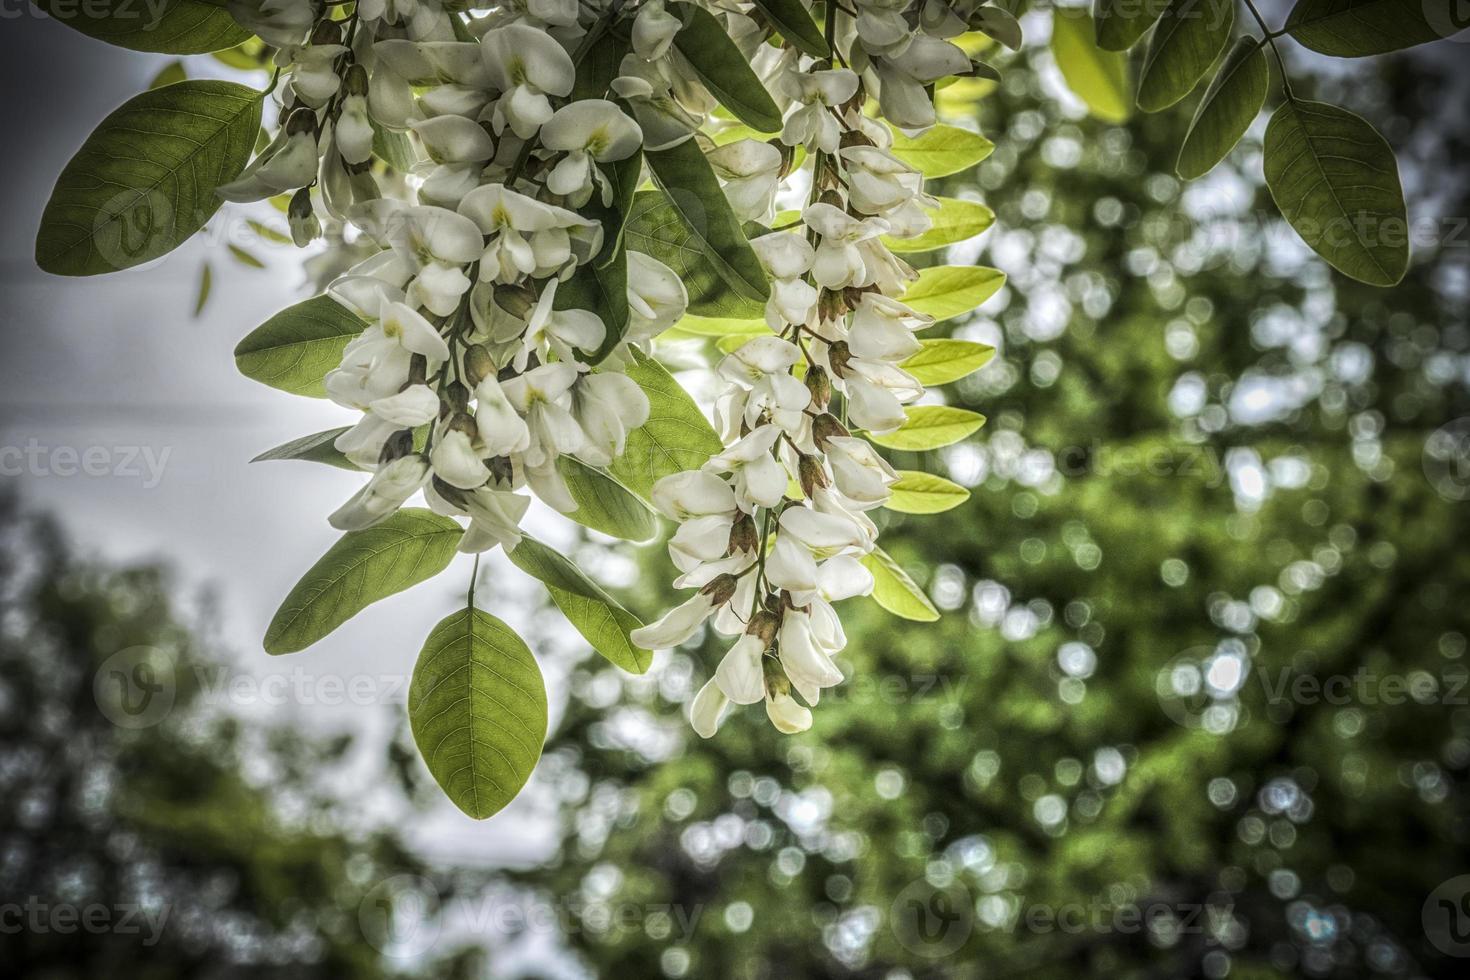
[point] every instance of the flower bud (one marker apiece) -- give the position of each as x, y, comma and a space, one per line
301, 216
301, 120
398, 445
763, 625
453, 495
502, 471
326, 32
812, 474
720, 589
457, 399
477, 365
854, 137
834, 198
356, 82
788, 156
418, 369
825, 427
743, 535
838, 355
819, 383
464, 422
518, 301
831, 305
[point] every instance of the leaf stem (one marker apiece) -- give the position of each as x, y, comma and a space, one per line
1271, 37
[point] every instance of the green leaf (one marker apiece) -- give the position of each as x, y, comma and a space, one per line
945, 291
718, 63
162, 26
721, 326
942, 360
795, 24
604, 505
1337, 182
394, 148
693, 190
315, 448
1229, 106
294, 349
144, 181
1186, 42
604, 291
266, 232
168, 75
1120, 23
954, 221
1357, 28
931, 427
656, 229
206, 283
676, 436
924, 493
1099, 78
999, 24
603, 623
477, 708
245, 258
941, 150
362, 567
894, 591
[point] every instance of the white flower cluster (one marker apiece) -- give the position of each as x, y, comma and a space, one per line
772, 531
480, 369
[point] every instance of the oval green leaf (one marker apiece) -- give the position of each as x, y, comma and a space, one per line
924, 493
603, 623
294, 349
894, 591
676, 436
362, 567
1120, 23
145, 180
1358, 28
795, 24
931, 427
946, 291
1185, 43
160, 26
940, 361
604, 505
1099, 78
656, 227
1337, 182
477, 708
941, 150
1229, 106
718, 63
315, 448
954, 221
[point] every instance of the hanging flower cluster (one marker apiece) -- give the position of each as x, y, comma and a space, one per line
512, 203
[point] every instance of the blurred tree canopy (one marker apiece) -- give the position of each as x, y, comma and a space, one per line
1198, 705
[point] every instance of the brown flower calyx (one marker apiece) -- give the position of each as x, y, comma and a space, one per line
720, 588
743, 535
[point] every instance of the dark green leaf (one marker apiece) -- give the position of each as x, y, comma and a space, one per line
676, 436
718, 63
1356, 28
999, 24
1337, 182
145, 180
477, 707
168, 74
1186, 42
604, 505
361, 568
1227, 109
1120, 23
603, 623
604, 291
656, 229
315, 448
294, 349
794, 22
163, 26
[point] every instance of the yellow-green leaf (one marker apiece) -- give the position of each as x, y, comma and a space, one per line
1099, 78
946, 291
924, 493
941, 150
954, 221
894, 591
931, 427
940, 361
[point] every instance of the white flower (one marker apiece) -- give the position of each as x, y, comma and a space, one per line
495, 518
502, 431
526, 65
354, 130
456, 461
607, 406
740, 674
587, 131
807, 666
882, 329
751, 171
788, 716
791, 566
653, 30
279, 23
754, 359
526, 236
902, 79
881, 23
822, 533
375, 363
812, 124
692, 493
389, 487
757, 477
542, 397
676, 625
877, 180
708, 709
859, 472
839, 262
366, 285
564, 332
787, 256
314, 77
876, 393
455, 139
411, 407
657, 297
285, 165
363, 443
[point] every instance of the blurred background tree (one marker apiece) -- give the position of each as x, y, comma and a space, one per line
1203, 489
